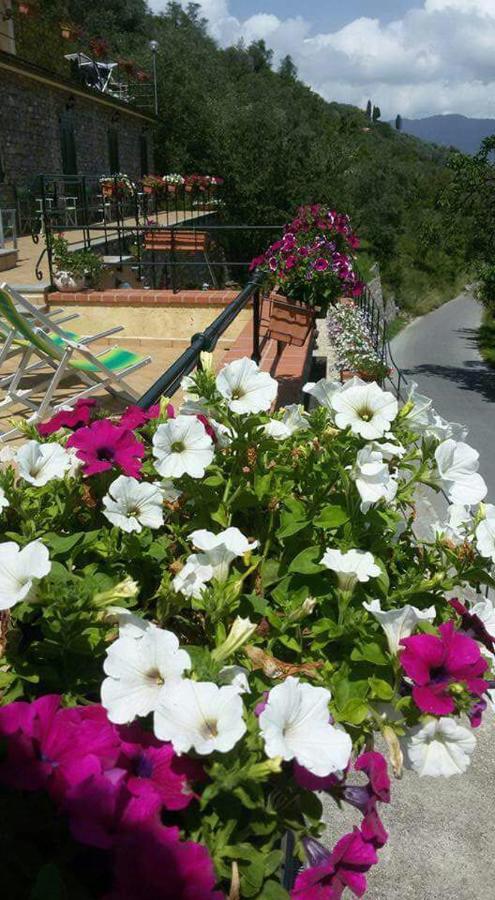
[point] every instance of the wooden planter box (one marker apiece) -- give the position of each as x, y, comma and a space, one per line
286, 321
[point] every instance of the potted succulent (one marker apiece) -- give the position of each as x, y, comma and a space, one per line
74, 270
309, 268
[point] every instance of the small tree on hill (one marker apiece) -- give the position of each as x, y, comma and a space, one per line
287, 68
369, 109
398, 123
376, 113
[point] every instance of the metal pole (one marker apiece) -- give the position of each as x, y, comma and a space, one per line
154, 48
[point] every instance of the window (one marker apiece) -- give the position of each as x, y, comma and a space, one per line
143, 154
68, 143
113, 151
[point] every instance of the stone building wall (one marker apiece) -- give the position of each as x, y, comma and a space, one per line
30, 142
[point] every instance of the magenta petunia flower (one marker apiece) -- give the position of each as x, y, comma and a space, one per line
291, 261
475, 713
310, 782
135, 417
331, 873
54, 748
102, 446
152, 862
79, 415
434, 664
154, 766
366, 797
321, 264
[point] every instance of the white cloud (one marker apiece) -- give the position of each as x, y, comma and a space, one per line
438, 58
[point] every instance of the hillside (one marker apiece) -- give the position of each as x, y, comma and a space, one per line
461, 132
278, 144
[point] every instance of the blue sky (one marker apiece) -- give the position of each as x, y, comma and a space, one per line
325, 13
413, 57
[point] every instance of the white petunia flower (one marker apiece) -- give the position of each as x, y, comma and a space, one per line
292, 420
245, 387
454, 527
182, 446
323, 391
351, 567
399, 623
485, 610
3, 500
485, 533
295, 725
236, 676
193, 577
457, 465
200, 715
389, 449
130, 625
138, 669
366, 409
219, 550
169, 491
439, 747
442, 430
373, 478
19, 568
418, 415
41, 463
132, 504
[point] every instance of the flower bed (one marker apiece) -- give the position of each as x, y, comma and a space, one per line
209, 616
350, 336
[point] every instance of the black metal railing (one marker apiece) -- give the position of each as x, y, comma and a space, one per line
377, 327
169, 382
116, 218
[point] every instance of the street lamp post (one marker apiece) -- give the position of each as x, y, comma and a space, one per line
154, 48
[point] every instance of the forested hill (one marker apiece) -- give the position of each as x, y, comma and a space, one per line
278, 144
464, 133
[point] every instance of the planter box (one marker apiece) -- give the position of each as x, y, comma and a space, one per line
286, 321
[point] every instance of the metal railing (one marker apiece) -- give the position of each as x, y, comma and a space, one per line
378, 331
169, 382
122, 221
8, 230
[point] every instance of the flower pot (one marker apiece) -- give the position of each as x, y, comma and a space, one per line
347, 374
107, 190
65, 281
287, 321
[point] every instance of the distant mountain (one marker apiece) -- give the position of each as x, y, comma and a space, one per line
452, 131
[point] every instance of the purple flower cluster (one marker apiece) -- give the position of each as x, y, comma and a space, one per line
313, 262
329, 873
112, 783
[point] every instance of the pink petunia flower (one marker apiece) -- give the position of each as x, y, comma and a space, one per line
365, 798
310, 782
54, 748
135, 417
79, 415
321, 264
434, 664
154, 766
102, 446
152, 862
331, 873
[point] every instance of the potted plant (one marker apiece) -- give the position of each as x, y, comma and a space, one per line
310, 266
152, 184
116, 185
356, 352
74, 270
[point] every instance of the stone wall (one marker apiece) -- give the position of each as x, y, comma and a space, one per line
387, 308
30, 113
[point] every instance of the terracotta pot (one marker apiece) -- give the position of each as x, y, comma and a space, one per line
65, 281
172, 188
107, 190
347, 374
147, 189
286, 320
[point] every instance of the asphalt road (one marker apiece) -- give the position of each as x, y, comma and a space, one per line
441, 830
439, 352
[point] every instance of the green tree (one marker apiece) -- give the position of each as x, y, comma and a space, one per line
398, 123
369, 109
376, 113
287, 69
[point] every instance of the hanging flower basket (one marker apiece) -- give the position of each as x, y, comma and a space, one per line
286, 320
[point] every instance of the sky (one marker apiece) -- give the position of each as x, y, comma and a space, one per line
413, 57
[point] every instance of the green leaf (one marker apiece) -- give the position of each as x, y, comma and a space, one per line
49, 884
380, 689
305, 562
289, 526
331, 517
354, 712
221, 515
370, 652
273, 890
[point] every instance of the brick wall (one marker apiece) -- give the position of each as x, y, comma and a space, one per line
30, 138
